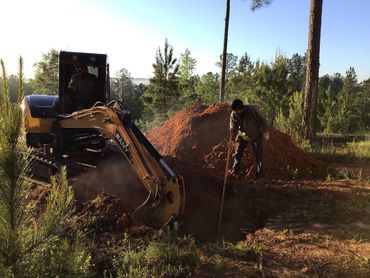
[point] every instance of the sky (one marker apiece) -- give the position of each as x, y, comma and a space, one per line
131, 31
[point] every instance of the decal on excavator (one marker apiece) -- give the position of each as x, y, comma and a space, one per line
124, 146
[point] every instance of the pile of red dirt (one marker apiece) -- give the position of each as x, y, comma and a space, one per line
199, 135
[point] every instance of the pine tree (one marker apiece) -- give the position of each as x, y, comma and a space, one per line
292, 124
349, 114
187, 66
364, 105
297, 72
27, 233
330, 106
163, 87
187, 80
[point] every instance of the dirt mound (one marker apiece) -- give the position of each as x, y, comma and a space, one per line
199, 135
281, 158
191, 133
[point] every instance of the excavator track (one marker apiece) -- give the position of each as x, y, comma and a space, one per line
43, 165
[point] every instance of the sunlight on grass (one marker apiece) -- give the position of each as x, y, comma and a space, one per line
165, 254
360, 149
340, 153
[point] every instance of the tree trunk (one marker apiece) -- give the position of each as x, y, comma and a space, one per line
312, 76
224, 53
164, 100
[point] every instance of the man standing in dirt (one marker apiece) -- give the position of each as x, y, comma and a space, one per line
247, 125
83, 86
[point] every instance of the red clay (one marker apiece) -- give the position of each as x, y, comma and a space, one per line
199, 135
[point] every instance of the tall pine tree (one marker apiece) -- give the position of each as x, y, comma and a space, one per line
187, 80
349, 114
163, 87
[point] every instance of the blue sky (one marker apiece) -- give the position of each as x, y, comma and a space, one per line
130, 31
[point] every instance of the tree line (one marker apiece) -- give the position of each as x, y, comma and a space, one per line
277, 87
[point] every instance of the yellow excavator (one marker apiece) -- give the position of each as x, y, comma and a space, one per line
55, 128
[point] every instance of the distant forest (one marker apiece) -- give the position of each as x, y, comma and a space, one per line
276, 87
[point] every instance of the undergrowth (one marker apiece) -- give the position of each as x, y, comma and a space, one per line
166, 253
345, 152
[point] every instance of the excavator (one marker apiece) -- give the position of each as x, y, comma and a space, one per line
57, 129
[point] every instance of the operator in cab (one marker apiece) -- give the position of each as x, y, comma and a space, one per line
83, 88
247, 125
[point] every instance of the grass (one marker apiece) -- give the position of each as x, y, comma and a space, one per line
220, 256
163, 254
240, 250
167, 253
343, 152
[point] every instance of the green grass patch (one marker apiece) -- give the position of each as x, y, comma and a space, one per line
164, 254
240, 250
344, 152
217, 255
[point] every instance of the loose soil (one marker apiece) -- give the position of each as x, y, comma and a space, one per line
305, 226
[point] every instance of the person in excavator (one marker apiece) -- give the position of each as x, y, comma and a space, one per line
83, 87
247, 125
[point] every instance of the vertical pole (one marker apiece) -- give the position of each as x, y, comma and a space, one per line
224, 53
224, 188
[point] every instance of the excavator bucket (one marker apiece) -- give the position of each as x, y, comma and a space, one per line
169, 205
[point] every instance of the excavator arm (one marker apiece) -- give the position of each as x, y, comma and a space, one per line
166, 193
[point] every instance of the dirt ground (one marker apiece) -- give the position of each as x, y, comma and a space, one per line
305, 228
305, 223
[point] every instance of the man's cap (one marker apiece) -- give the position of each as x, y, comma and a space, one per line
237, 104
81, 67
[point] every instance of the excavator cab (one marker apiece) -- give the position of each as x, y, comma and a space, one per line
70, 64
41, 111
77, 92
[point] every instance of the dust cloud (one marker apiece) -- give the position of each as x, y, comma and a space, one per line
114, 177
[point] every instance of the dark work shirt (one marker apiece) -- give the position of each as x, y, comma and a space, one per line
249, 124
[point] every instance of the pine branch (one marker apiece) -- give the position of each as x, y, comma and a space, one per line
5, 100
